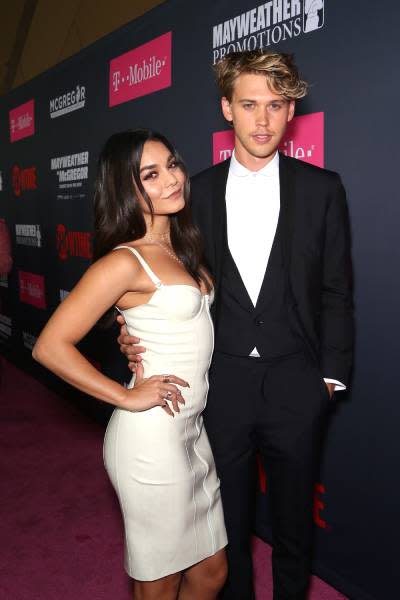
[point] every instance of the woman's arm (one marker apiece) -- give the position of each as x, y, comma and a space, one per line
100, 287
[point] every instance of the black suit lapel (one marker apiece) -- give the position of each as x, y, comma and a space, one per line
235, 281
221, 239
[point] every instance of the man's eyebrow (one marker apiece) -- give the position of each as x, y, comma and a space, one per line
270, 102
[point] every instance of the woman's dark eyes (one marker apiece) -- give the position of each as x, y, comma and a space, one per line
150, 175
154, 174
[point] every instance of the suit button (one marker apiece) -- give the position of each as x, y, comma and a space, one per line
259, 321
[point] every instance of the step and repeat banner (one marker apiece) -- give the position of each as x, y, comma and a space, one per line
156, 72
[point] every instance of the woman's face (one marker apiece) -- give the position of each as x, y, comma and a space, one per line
162, 178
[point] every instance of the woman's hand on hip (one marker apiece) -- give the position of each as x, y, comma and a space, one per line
157, 390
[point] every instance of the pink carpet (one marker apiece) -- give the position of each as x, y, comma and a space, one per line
61, 533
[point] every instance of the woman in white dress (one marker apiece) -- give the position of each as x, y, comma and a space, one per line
156, 451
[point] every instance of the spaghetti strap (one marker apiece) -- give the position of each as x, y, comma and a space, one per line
156, 280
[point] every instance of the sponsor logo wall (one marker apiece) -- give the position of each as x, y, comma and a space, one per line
22, 121
68, 102
157, 72
31, 289
266, 24
23, 179
72, 172
28, 235
73, 243
141, 71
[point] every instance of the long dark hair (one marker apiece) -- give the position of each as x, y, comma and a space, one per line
118, 216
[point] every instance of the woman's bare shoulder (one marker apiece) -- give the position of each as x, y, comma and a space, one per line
119, 262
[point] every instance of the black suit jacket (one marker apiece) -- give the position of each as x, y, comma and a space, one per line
316, 240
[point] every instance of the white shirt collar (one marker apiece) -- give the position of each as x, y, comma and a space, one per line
270, 169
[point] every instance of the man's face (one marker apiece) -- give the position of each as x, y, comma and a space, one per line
259, 117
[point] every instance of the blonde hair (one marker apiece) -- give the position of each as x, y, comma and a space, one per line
279, 69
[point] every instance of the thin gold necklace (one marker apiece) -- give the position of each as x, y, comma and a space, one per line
163, 245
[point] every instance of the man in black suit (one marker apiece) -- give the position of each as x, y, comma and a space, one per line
276, 239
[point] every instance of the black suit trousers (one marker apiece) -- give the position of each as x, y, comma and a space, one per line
279, 409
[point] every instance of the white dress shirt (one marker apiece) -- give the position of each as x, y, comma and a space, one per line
252, 209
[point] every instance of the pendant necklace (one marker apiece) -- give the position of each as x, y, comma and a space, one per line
163, 246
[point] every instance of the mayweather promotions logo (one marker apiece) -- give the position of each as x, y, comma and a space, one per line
267, 24
313, 15
28, 235
22, 121
23, 179
68, 102
303, 139
141, 71
73, 243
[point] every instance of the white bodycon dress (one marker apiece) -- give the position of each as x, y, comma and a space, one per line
161, 467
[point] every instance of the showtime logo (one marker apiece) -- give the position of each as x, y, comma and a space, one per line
141, 71
303, 139
267, 24
73, 243
31, 289
23, 179
22, 121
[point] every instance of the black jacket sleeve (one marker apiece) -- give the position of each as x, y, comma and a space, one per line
336, 319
